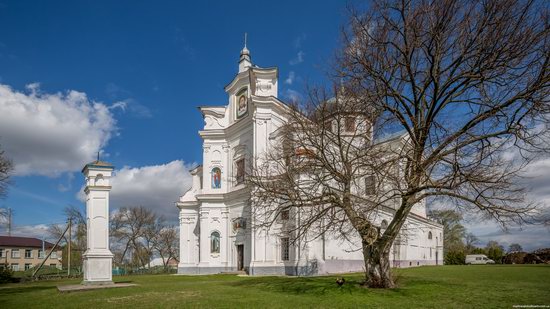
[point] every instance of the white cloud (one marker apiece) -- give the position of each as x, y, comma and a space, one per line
298, 59
290, 79
49, 134
38, 231
156, 187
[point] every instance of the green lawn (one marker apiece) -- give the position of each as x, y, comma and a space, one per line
491, 286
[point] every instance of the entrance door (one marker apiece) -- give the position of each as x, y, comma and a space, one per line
240, 257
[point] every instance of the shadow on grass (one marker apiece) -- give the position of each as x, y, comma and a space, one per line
4, 291
124, 281
302, 285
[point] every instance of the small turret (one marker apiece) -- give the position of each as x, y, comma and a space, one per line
244, 61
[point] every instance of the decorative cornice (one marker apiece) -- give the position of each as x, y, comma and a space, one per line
97, 188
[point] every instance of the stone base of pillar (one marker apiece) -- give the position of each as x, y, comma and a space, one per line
98, 268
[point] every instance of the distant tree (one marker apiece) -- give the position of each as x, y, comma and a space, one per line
494, 251
166, 244
151, 236
470, 241
6, 168
478, 250
515, 248
78, 235
129, 226
453, 231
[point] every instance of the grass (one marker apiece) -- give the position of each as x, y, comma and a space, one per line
483, 286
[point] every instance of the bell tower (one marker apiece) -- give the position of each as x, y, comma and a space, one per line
98, 259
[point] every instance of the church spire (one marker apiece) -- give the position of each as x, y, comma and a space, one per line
244, 61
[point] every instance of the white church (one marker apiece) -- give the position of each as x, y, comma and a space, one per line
216, 234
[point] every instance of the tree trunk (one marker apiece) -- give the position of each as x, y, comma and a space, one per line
377, 266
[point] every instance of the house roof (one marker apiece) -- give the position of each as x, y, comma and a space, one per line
15, 241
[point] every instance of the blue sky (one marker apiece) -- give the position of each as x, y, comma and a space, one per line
126, 77
160, 60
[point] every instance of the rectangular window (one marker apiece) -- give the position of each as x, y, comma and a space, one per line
40, 254
240, 171
285, 249
2, 253
369, 185
28, 253
285, 214
328, 125
349, 124
28, 266
53, 255
15, 267
15, 254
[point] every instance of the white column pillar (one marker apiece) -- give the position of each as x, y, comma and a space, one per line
188, 240
98, 259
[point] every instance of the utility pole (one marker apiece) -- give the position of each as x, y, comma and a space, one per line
69, 248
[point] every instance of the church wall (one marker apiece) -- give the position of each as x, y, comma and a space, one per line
209, 209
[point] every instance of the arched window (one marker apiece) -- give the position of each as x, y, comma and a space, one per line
384, 224
99, 181
215, 242
216, 178
430, 235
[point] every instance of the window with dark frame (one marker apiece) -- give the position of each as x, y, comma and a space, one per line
240, 171
28, 254
349, 124
328, 125
369, 185
285, 249
285, 214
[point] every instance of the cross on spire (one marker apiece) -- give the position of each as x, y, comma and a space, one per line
244, 61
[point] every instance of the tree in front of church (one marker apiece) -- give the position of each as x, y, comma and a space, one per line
469, 84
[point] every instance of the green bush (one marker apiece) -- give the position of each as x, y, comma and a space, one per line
6, 275
455, 257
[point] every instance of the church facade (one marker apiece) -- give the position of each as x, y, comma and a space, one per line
216, 230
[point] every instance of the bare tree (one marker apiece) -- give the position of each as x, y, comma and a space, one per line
129, 227
166, 244
468, 83
470, 241
6, 167
151, 236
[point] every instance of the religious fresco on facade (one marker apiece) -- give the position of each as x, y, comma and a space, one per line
242, 103
215, 242
216, 178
